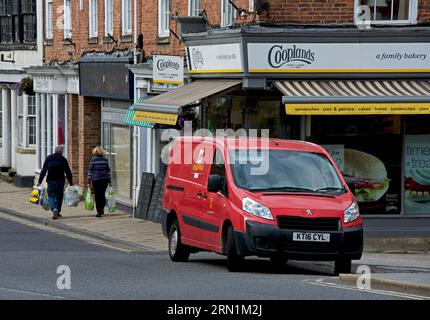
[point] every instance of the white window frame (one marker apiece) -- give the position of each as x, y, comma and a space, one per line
194, 7
228, 14
27, 122
412, 19
108, 17
67, 12
163, 18
49, 16
93, 18
126, 14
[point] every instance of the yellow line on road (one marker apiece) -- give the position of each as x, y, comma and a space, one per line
320, 282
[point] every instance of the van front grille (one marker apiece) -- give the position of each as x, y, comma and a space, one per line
314, 224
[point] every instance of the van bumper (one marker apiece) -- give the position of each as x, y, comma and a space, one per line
268, 241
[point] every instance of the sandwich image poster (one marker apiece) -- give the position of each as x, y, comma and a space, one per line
417, 174
374, 189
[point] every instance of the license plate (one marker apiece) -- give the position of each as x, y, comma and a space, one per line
311, 236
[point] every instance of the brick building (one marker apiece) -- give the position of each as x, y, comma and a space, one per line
98, 60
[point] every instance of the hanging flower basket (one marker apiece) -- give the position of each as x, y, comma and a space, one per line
26, 86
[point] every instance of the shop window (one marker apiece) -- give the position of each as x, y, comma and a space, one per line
108, 17
49, 18
1, 119
417, 165
194, 7
387, 11
26, 121
67, 12
126, 17
17, 21
368, 151
93, 19
163, 18
228, 13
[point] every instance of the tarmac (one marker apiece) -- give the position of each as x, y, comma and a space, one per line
121, 230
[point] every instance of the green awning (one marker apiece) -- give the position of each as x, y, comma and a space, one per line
130, 116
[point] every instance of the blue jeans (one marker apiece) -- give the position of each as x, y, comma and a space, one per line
55, 194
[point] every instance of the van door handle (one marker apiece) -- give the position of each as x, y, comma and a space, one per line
203, 195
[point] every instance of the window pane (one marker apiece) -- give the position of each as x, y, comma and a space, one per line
31, 105
31, 130
49, 18
400, 9
20, 130
61, 114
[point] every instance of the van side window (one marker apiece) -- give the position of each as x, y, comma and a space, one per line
218, 167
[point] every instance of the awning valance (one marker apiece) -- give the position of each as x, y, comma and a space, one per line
132, 117
356, 97
171, 101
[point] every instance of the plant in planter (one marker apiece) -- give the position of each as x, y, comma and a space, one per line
26, 86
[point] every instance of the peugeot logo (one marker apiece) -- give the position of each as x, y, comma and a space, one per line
309, 212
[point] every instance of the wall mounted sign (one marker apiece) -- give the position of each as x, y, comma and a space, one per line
156, 117
219, 58
168, 69
338, 57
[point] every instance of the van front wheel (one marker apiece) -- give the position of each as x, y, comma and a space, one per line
177, 251
234, 261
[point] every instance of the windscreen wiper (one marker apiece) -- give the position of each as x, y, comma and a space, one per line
286, 189
328, 189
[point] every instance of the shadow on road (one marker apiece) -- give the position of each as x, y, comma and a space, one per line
264, 266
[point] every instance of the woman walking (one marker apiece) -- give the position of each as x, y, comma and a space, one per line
99, 178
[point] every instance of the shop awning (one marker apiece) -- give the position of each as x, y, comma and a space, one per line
165, 107
133, 118
355, 97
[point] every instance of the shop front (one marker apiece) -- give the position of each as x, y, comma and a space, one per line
364, 96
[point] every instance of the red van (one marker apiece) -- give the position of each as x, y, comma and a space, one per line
273, 198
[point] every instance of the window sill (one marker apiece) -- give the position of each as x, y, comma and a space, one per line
25, 150
93, 40
67, 43
48, 42
18, 46
162, 40
126, 38
107, 40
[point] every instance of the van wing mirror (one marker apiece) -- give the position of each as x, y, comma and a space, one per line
214, 183
351, 185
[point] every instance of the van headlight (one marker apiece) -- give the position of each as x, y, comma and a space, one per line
352, 213
256, 209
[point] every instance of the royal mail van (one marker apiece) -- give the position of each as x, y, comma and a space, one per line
272, 198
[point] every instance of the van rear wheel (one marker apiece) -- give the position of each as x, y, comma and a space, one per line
342, 266
177, 251
234, 260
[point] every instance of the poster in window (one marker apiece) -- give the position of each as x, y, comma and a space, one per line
417, 174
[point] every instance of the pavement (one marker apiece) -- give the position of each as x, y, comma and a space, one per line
39, 265
121, 231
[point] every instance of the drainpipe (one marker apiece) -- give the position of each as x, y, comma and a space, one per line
136, 150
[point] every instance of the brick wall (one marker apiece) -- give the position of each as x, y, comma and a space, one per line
424, 11
61, 51
89, 122
73, 133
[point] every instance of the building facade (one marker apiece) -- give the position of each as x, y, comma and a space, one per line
21, 46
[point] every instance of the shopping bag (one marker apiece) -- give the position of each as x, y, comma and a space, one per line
72, 196
89, 200
35, 195
44, 200
110, 199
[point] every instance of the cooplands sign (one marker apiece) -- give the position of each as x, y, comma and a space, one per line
168, 69
338, 57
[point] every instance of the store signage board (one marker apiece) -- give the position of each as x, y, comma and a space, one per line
338, 57
356, 108
168, 69
219, 58
156, 117
49, 84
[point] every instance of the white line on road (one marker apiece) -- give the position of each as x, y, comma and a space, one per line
320, 282
32, 293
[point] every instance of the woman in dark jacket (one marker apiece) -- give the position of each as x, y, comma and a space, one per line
99, 178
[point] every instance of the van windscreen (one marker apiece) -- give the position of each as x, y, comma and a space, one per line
284, 170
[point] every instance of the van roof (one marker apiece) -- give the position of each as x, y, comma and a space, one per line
256, 143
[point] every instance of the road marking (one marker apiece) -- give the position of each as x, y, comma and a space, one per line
32, 293
320, 282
